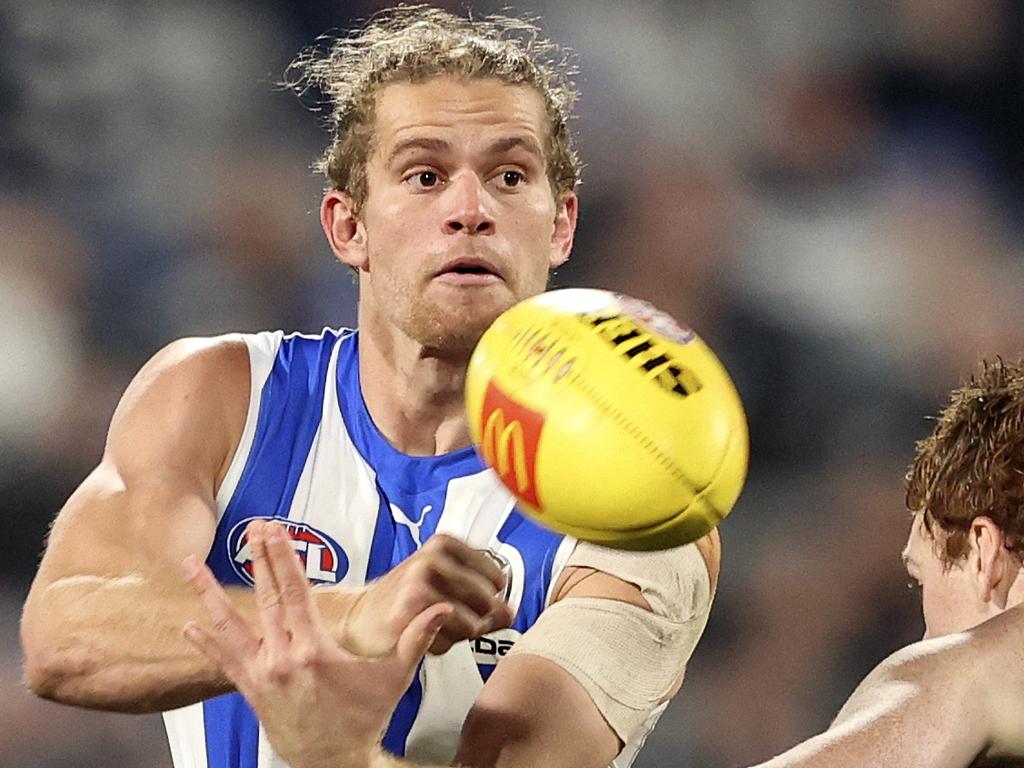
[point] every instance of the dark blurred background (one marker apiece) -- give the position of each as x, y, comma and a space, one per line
828, 192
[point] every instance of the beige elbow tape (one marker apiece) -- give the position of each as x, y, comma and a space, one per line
627, 658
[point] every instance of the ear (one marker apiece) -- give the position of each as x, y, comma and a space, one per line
988, 556
564, 230
344, 230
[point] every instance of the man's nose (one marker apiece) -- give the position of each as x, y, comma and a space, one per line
468, 207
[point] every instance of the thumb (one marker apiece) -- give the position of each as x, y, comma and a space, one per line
416, 638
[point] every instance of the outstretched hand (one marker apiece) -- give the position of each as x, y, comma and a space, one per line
320, 705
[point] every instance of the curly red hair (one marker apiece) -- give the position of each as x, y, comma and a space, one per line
973, 462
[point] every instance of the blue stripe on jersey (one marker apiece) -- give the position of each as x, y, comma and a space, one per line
486, 670
382, 547
384, 555
291, 408
403, 717
398, 472
537, 546
232, 732
290, 411
416, 485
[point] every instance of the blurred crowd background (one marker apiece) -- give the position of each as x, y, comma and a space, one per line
827, 191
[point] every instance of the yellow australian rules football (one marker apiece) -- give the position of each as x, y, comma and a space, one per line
607, 419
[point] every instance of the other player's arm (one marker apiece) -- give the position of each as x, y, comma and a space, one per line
548, 704
939, 703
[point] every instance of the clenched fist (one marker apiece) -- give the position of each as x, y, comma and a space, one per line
443, 570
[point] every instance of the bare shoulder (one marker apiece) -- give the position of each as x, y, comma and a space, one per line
923, 663
151, 500
997, 653
990, 653
187, 404
946, 669
210, 366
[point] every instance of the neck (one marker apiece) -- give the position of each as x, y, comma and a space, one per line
1013, 593
415, 397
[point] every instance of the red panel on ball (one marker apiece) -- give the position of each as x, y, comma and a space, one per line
509, 435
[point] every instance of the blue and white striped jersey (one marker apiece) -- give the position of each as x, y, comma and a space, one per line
355, 507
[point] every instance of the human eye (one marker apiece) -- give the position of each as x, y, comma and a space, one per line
510, 178
423, 179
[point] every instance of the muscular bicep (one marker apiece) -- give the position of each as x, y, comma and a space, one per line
102, 622
150, 502
114, 526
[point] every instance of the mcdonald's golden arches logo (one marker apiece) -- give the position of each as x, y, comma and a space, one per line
509, 435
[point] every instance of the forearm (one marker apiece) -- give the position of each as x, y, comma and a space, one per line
116, 643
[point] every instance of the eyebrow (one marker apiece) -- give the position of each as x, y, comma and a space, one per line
408, 145
527, 143
516, 142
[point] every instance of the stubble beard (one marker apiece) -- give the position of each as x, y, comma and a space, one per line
453, 331
448, 332
444, 329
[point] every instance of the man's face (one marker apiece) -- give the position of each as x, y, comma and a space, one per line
460, 219
949, 596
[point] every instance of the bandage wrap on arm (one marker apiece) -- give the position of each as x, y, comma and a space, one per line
627, 658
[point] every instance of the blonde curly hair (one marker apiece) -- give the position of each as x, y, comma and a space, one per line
414, 44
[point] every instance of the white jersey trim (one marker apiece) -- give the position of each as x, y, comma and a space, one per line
265, 755
186, 735
565, 549
262, 348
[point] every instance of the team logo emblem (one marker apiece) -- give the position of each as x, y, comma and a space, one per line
510, 433
324, 561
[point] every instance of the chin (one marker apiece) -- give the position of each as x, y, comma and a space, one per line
455, 340
450, 346
453, 331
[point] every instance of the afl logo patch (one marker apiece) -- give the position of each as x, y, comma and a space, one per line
325, 562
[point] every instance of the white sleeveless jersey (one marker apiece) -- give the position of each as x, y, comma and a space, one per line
311, 457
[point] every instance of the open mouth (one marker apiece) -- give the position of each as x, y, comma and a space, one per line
469, 269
